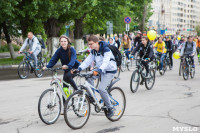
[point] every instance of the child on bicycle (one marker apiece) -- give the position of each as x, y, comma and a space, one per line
146, 51
106, 68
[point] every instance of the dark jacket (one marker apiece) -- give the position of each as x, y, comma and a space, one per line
168, 45
147, 51
137, 41
118, 43
64, 58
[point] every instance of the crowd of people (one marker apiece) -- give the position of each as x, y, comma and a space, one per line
105, 61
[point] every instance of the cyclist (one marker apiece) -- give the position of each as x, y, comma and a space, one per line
67, 56
126, 43
168, 44
180, 43
161, 51
137, 39
34, 47
189, 48
106, 68
146, 51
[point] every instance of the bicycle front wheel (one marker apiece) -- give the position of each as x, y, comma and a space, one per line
123, 65
118, 101
77, 110
49, 106
185, 73
135, 80
39, 73
23, 70
149, 83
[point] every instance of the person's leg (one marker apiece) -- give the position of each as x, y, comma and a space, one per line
146, 65
127, 54
105, 81
68, 77
34, 55
170, 56
161, 61
192, 59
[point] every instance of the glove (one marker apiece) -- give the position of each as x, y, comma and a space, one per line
97, 72
74, 71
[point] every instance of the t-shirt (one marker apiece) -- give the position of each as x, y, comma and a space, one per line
160, 46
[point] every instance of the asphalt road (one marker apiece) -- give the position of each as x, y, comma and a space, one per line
173, 104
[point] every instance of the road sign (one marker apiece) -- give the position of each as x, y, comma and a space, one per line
127, 20
109, 27
127, 27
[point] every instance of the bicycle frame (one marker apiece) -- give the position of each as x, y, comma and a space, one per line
91, 89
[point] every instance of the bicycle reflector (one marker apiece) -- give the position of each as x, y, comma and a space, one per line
176, 55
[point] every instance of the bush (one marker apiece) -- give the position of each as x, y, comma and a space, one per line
5, 48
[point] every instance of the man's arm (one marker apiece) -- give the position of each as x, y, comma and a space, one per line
24, 45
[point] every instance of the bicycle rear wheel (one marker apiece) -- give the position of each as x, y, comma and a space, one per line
23, 70
118, 101
135, 80
75, 117
49, 107
185, 73
192, 73
123, 65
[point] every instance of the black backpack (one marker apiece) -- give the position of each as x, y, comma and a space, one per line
186, 45
116, 54
40, 41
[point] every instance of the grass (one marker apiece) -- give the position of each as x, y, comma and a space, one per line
9, 61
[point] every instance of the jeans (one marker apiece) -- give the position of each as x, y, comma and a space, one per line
170, 57
127, 53
162, 56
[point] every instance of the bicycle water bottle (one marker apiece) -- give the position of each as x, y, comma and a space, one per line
67, 91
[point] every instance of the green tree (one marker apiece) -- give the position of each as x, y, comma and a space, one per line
198, 30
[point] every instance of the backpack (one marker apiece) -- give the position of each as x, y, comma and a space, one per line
40, 41
186, 45
116, 54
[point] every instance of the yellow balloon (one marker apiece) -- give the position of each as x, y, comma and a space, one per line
151, 35
176, 55
179, 38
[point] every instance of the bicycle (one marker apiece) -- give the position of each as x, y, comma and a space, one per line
140, 72
77, 108
187, 68
157, 61
26, 66
168, 62
50, 99
124, 64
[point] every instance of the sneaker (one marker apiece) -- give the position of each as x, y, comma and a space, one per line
37, 69
161, 71
128, 61
111, 112
148, 75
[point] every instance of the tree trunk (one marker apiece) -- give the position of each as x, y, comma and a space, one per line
52, 27
11, 49
144, 18
52, 45
78, 33
0, 34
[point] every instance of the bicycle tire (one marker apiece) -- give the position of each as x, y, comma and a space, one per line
27, 70
137, 80
152, 73
39, 111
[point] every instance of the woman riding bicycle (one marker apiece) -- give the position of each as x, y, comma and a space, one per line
126, 44
146, 51
67, 56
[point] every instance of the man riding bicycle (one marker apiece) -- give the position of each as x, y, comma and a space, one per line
145, 51
189, 48
34, 47
161, 51
168, 44
106, 68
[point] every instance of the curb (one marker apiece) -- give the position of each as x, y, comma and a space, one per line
8, 66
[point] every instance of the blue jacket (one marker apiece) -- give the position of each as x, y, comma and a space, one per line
63, 56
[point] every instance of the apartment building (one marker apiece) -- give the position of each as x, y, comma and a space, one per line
175, 16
